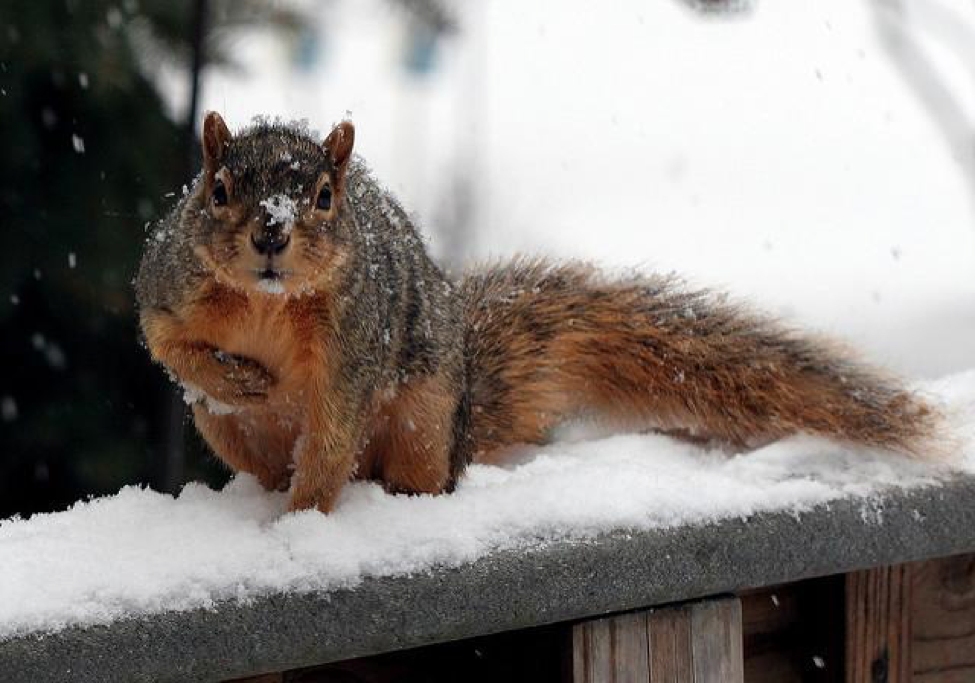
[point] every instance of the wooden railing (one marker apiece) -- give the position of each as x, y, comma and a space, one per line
832, 594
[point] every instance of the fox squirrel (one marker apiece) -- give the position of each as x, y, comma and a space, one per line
290, 293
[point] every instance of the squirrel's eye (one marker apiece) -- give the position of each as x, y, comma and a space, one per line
219, 194
324, 199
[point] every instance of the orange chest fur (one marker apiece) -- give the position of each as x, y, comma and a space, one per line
283, 334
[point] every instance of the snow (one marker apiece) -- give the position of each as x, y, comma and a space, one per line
281, 209
53, 353
193, 394
269, 286
8, 409
781, 156
140, 552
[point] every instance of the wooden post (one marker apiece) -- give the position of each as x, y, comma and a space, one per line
943, 620
691, 643
878, 625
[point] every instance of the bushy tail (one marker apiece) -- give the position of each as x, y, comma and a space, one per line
551, 342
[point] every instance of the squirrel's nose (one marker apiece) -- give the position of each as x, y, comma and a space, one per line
270, 242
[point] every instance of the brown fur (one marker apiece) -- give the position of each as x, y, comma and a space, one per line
371, 363
410, 438
562, 341
410, 432
272, 353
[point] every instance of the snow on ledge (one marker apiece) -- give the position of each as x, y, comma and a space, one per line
141, 552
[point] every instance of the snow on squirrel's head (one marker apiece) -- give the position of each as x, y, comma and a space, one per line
267, 211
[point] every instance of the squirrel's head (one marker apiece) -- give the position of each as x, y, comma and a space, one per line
269, 204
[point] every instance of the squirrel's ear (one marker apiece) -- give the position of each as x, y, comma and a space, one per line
338, 145
216, 137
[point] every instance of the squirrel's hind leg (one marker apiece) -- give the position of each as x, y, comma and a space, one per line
411, 438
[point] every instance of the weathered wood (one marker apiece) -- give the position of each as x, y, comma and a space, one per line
943, 612
716, 641
671, 646
612, 649
630, 651
693, 643
593, 653
878, 625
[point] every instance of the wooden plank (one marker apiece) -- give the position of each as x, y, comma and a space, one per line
610, 650
694, 643
943, 613
878, 625
670, 644
716, 641
590, 651
630, 650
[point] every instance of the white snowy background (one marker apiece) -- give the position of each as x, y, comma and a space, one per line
781, 155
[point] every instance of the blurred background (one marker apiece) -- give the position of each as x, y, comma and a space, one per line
817, 159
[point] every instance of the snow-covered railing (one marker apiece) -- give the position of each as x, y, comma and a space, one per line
555, 581
212, 585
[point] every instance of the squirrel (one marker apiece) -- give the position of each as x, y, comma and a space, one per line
291, 295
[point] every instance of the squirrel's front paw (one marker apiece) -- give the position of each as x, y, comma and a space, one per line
247, 380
